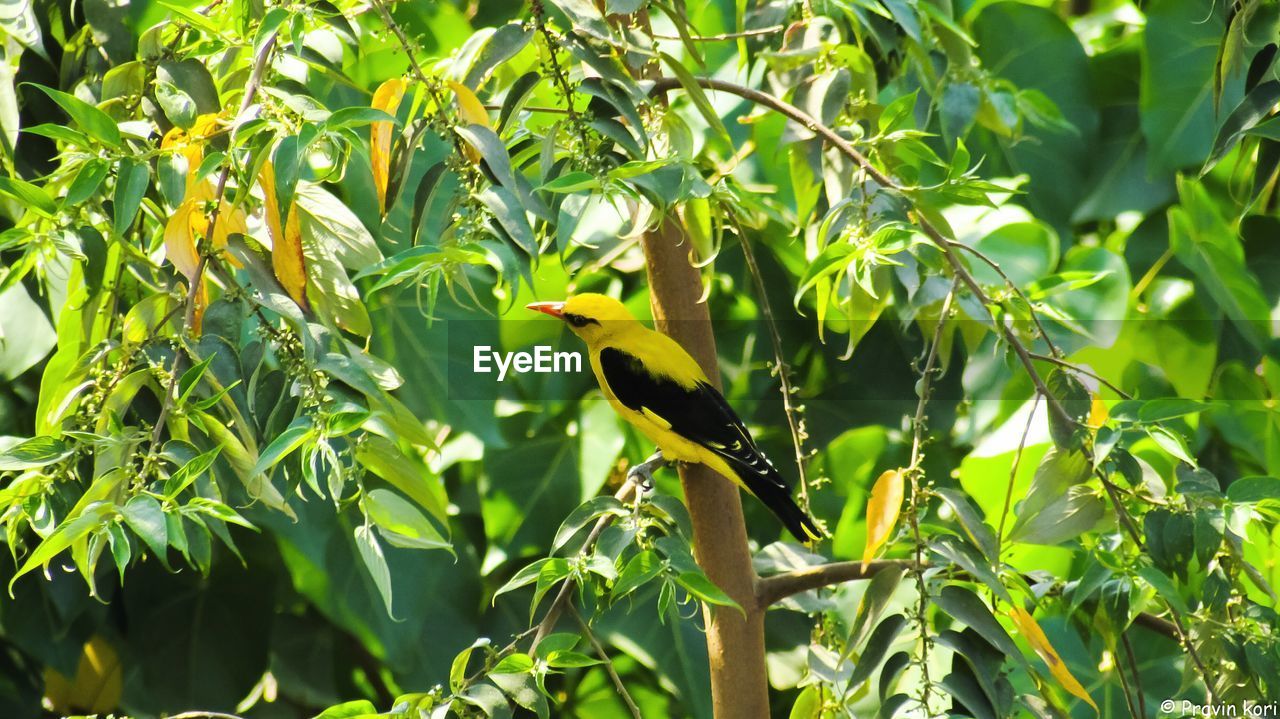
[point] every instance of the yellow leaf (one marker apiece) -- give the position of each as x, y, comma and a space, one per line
882, 512
97, 685
470, 109
472, 112
386, 98
286, 239
191, 145
1035, 636
180, 237
1097, 413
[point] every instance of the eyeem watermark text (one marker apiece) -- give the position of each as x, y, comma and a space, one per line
543, 359
1188, 708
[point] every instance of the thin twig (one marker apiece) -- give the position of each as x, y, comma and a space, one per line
562, 598
1073, 367
914, 473
725, 36
1017, 459
196, 281
1035, 316
1133, 669
608, 664
402, 38
794, 423
1127, 691
531, 108
774, 588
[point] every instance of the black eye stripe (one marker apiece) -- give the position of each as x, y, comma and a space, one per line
579, 320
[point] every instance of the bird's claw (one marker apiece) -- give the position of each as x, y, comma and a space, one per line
642, 474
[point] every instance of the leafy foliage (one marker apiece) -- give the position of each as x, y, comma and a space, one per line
1016, 261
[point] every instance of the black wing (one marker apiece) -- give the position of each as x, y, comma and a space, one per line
701, 415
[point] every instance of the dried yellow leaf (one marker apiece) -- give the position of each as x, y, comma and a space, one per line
386, 98
286, 239
882, 512
1035, 636
471, 111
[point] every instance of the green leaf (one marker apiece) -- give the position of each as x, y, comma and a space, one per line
965, 606
176, 104
514, 663
976, 529
298, 434
146, 518
93, 121
375, 562
527, 575
87, 181
1211, 248
32, 453
586, 512
694, 90
1179, 53
877, 647
349, 710
89, 520
28, 195
576, 181
349, 117
639, 571
1251, 490
879, 591
570, 660
1255, 107
380, 456
1171, 443
510, 216
968, 559
400, 523
700, 586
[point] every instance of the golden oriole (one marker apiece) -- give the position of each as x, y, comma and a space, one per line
655, 385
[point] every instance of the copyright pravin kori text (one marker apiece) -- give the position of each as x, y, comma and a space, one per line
1189, 708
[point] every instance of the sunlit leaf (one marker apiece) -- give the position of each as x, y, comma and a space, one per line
882, 512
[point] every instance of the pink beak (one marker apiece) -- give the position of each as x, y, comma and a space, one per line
555, 309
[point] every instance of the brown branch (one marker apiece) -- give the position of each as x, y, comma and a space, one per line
774, 588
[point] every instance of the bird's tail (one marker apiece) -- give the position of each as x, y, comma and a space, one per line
772, 491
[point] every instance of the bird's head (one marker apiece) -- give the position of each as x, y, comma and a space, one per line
591, 316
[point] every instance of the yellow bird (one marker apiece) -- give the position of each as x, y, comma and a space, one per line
655, 385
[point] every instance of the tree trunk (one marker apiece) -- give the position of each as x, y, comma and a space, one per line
735, 643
